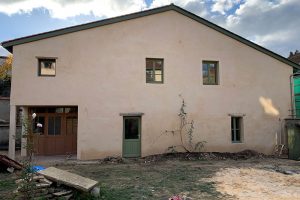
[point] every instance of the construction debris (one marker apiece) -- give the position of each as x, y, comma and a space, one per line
242, 155
43, 189
111, 159
9, 164
96, 191
63, 185
68, 179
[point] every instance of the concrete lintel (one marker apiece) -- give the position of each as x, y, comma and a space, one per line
137, 114
237, 114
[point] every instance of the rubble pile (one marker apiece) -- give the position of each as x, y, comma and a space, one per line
42, 188
243, 155
54, 183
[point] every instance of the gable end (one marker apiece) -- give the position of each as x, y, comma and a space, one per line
10, 43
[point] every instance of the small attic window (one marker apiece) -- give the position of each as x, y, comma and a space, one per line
46, 66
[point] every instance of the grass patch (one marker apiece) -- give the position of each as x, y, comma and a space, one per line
150, 181
7, 185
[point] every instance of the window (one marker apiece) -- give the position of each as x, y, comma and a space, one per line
5, 85
131, 127
47, 67
71, 125
54, 125
210, 72
154, 70
236, 129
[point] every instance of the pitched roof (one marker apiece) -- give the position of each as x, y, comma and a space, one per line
10, 43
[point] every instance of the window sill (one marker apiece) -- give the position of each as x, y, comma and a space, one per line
46, 75
4, 98
155, 82
237, 142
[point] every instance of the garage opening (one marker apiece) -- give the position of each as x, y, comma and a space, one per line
58, 135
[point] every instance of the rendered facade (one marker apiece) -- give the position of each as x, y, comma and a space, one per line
111, 88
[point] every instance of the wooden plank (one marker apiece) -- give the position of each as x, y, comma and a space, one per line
7, 162
69, 179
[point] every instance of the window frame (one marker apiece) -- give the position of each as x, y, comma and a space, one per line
217, 81
233, 129
153, 69
40, 60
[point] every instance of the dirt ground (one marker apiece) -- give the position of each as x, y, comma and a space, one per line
253, 178
251, 183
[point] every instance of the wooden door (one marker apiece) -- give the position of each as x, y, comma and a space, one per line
58, 136
71, 134
131, 137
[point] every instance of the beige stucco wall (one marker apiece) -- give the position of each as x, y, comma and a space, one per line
102, 70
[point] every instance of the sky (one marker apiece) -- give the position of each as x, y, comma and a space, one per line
273, 24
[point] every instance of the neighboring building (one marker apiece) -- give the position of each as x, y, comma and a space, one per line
4, 97
295, 57
4, 109
110, 88
2, 59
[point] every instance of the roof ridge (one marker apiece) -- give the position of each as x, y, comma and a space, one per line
10, 43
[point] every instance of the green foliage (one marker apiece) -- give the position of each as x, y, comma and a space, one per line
84, 196
7, 186
27, 186
5, 68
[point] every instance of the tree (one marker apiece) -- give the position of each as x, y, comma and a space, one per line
5, 68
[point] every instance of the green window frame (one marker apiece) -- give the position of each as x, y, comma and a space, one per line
154, 70
46, 66
236, 129
210, 72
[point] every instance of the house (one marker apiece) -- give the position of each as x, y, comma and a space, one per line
110, 87
4, 109
295, 57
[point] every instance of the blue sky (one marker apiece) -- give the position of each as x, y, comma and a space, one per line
274, 24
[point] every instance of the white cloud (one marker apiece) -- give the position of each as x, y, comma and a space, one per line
182, 3
63, 9
272, 24
222, 6
199, 7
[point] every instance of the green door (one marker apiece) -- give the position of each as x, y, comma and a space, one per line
131, 136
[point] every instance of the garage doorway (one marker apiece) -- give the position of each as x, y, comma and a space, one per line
58, 135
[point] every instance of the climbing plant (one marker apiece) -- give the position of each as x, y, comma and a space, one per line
185, 132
